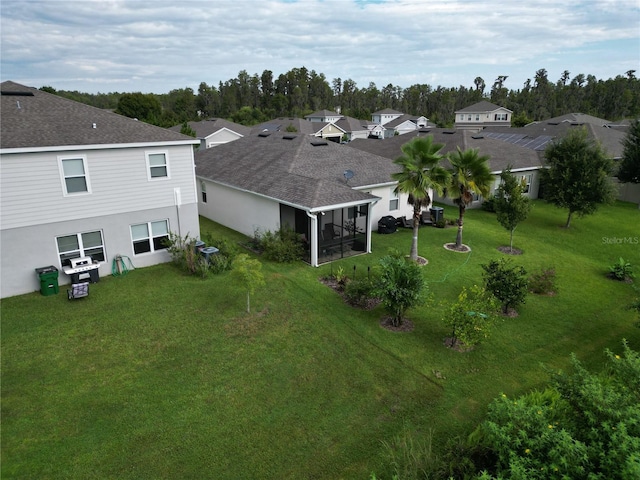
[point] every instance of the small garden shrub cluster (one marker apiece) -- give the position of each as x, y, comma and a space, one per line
360, 292
282, 246
543, 281
621, 270
489, 204
184, 255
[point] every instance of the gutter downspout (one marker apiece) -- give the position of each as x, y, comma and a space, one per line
369, 227
314, 238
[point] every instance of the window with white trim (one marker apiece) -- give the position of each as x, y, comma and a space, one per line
203, 189
157, 165
87, 244
477, 117
150, 236
393, 200
500, 117
526, 182
469, 117
74, 175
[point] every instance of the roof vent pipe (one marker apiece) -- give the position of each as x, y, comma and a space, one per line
93, 125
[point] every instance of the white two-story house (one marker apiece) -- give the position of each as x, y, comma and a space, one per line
481, 115
78, 181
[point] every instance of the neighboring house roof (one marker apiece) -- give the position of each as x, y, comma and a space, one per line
33, 119
205, 128
482, 107
295, 169
404, 118
539, 134
501, 154
281, 124
323, 114
577, 118
387, 111
350, 124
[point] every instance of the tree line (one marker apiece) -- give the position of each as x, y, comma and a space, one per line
251, 99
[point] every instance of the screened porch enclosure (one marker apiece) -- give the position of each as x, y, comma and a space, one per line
341, 232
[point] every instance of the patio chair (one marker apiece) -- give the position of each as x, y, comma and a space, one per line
330, 232
406, 222
425, 218
78, 290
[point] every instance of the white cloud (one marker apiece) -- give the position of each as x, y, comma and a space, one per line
159, 45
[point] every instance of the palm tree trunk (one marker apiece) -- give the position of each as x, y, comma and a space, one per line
248, 302
460, 223
413, 254
511, 242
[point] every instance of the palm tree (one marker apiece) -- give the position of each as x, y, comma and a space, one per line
469, 174
420, 173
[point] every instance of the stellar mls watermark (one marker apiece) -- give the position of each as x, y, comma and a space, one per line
620, 240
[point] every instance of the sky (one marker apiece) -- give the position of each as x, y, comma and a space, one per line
155, 46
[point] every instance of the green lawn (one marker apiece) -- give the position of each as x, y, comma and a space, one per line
160, 375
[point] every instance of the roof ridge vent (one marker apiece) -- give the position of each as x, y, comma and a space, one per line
318, 143
264, 134
289, 137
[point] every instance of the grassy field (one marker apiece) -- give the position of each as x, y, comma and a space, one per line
160, 375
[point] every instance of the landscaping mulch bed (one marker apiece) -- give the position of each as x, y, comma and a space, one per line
405, 326
370, 303
462, 248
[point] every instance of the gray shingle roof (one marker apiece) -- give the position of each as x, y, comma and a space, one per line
35, 119
481, 107
322, 113
207, 127
293, 170
387, 111
501, 153
280, 124
610, 138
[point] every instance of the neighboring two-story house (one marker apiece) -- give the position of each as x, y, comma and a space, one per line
382, 117
481, 115
78, 181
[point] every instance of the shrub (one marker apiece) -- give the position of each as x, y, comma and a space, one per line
282, 246
583, 425
543, 281
489, 204
401, 285
441, 223
360, 292
471, 316
508, 283
183, 253
621, 270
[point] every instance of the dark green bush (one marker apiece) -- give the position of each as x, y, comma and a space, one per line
283, 246
489, 204
508, 283
360, 293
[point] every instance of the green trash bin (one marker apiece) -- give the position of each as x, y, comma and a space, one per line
48, 280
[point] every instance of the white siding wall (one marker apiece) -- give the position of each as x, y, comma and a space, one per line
381, 209
241, 211
27, 248
32, 190
221, 136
